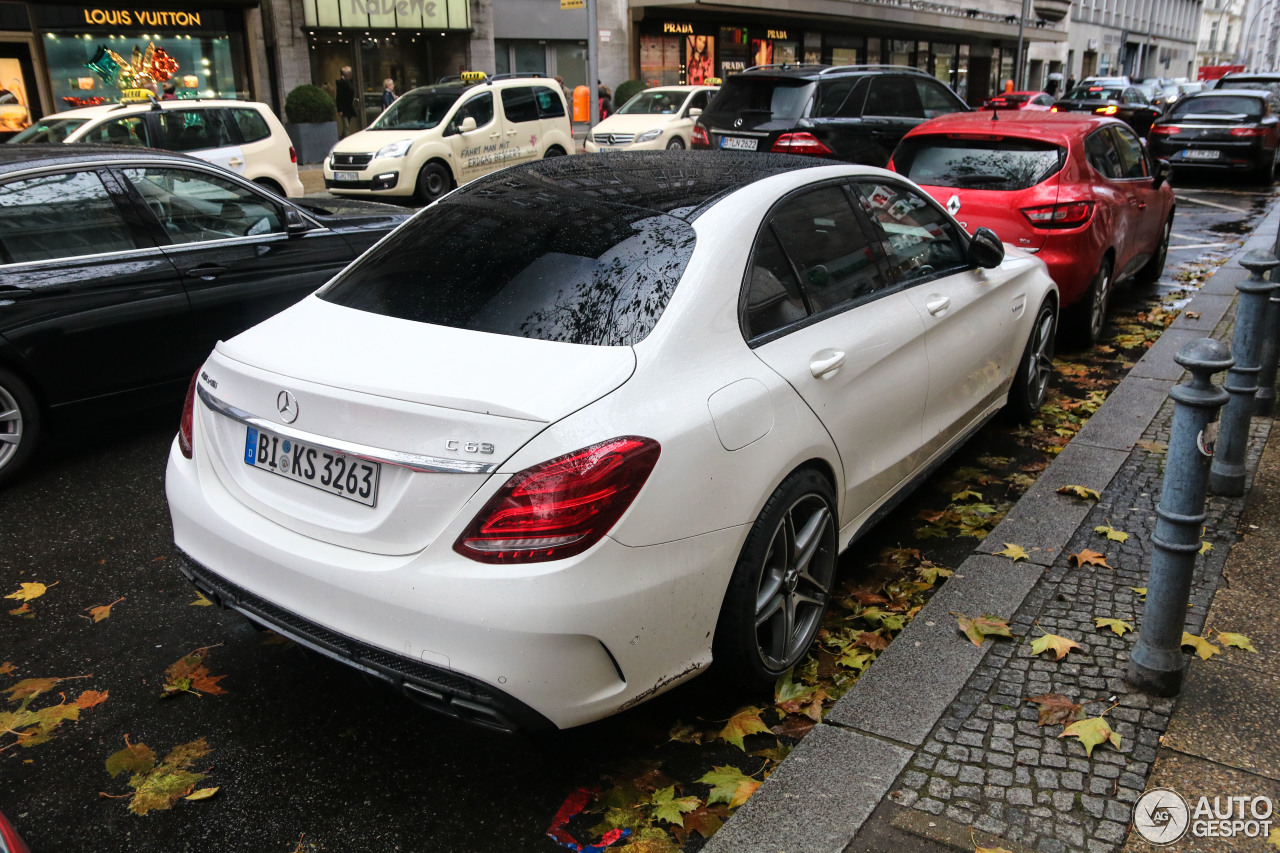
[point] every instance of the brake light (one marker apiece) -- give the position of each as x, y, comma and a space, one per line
293, 154
561, 507
1053, 109
1165, 130
800, 143
188, 416
699, 138
1107, 111
1248, 131
1071, 214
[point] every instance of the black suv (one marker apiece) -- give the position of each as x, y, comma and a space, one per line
849, 112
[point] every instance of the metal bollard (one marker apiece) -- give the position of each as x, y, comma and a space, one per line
1265, 401
1226, 476
1156, 663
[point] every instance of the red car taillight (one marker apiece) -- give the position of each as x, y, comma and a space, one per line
699, 138
293, 154
561, 507
1053, 109
1165, 130
1107, 111
188, 415
800, 143
1249, 131
1071, 214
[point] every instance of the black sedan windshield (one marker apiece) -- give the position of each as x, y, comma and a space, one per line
1092, 93
1221, 106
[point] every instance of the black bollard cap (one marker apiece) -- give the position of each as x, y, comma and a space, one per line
1258, 262
1202, 358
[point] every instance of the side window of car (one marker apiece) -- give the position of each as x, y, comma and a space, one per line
820, 233
59, 216
194, 206
193, 130
253, 127
774, 300
1101, 154
698, 101
519, 105
832, 95
936, 99
126, 130
550, 104
479, 108
893, 96
921, 240
1043, 100
1133, 160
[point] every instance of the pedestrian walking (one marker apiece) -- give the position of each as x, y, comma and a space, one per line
348, 109
388, 92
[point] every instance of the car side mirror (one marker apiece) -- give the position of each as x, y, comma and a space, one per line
294, 224
1160, 173
985, 249
468, 124
694, 112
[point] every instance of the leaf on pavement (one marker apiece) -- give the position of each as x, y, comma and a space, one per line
682, 732
667, 807
1140, 590
650, 839
7, 667
190, 675
929, 573
875, 642
202, 794
1056, 709
201, 601
103, 611
1111, 533
745, 722
1205, 547
1203, 647
31, 727
158, 786
1079, 492
1118, 625
706, 821
979, 628
24, 611
91, 698
966, 494
1092, 732
1239, 641
29, 687
729, 785
1052, 642
1088, 558
30, 591
867, 598
1273, 839
793, 726
1014, 552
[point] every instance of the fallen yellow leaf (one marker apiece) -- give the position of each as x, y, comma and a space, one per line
30, 591
1014, 552
1203, 647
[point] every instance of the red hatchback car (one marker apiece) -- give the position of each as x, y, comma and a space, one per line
1080, 191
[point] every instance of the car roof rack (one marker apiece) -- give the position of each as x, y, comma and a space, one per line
512, 75
835, 69
784, 66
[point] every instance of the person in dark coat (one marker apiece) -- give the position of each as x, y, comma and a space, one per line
348, 109
388, 92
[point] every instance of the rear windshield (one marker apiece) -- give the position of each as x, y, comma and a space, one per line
1003, 164
763, 97
655, 102
1093, 93
565, 270
417, 110
1222, 106
50, 130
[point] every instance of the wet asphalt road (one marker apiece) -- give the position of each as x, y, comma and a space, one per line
299, 745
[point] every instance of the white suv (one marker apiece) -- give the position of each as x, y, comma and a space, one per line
435, 138
243, 136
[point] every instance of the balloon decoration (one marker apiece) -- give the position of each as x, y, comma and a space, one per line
141, 71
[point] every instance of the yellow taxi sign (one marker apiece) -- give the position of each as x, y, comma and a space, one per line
572, 4
713, 81
138, 95
472, 76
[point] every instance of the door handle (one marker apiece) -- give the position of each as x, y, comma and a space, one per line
824, 367
207, 272
937, 305
494, 135
235, 161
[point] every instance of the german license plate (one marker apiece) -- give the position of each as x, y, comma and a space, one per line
336, 473
346, 176
739, 143
1199, 154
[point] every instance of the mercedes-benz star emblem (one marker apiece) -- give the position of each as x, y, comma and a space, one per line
287, 406
737, 122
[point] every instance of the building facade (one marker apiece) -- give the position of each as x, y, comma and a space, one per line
1140, 38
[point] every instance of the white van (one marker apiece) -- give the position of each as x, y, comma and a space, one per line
435, 138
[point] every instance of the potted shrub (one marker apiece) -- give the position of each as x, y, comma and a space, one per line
311, 122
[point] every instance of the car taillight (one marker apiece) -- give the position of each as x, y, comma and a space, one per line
799, 143
1107, 111
1248, 131
561, 507
1071, 214
699, 138
1053, 109
293, 154
188, 415
1165, 130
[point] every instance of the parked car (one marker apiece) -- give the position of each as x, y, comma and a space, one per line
120, 268
242, 136
556, 421
1235, 130
1126, 103
653, 119
1268, 81
435, 138
1113, 80
1078, 190
852, 112
1034, 101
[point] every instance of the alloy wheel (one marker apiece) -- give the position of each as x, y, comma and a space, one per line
795, 582
1040, 360
10, 426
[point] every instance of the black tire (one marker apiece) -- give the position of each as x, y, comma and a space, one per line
1266, 174
19, 424
434, 181
781, 584
676, 144
553, 151
1150, 273
1088, 317
1035, 371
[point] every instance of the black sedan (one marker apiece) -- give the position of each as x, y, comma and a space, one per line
1234, 130
120, 269
1126, 103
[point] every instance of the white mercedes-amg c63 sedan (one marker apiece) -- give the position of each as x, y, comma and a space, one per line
583, 426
